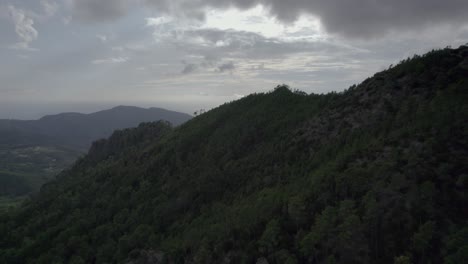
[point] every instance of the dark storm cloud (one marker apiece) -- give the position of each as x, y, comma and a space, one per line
357, 18
366, 18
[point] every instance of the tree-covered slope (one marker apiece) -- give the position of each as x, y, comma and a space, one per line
375, 174
32, 152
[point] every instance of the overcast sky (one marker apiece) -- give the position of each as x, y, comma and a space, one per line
85, 55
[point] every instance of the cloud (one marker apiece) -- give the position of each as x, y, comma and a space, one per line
112, 60
370, 18
229, 47
67, 20
102, 38
158, 21
227, 67
50, 7
216, 45
189, 68
23, 27
355, 18
208, 63
102, 10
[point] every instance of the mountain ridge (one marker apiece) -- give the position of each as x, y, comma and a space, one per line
374, 174
78, 130
113, 109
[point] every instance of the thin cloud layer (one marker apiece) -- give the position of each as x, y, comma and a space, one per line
102, 10
110, 60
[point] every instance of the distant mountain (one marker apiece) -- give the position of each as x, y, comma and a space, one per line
78, 131
375, 174
33, 152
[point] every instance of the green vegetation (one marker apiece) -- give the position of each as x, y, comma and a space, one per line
375, 174
24, 169
33, 152
10, 203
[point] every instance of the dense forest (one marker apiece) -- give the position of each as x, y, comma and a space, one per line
377, 173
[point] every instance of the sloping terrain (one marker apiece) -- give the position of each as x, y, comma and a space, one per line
33, 152
375, 174
23, 169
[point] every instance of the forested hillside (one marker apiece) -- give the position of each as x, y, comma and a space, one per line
374, 174
32, 152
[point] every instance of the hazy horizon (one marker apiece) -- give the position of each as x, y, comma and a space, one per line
34, 111
187, 55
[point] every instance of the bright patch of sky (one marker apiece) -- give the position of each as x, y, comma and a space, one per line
257, 20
